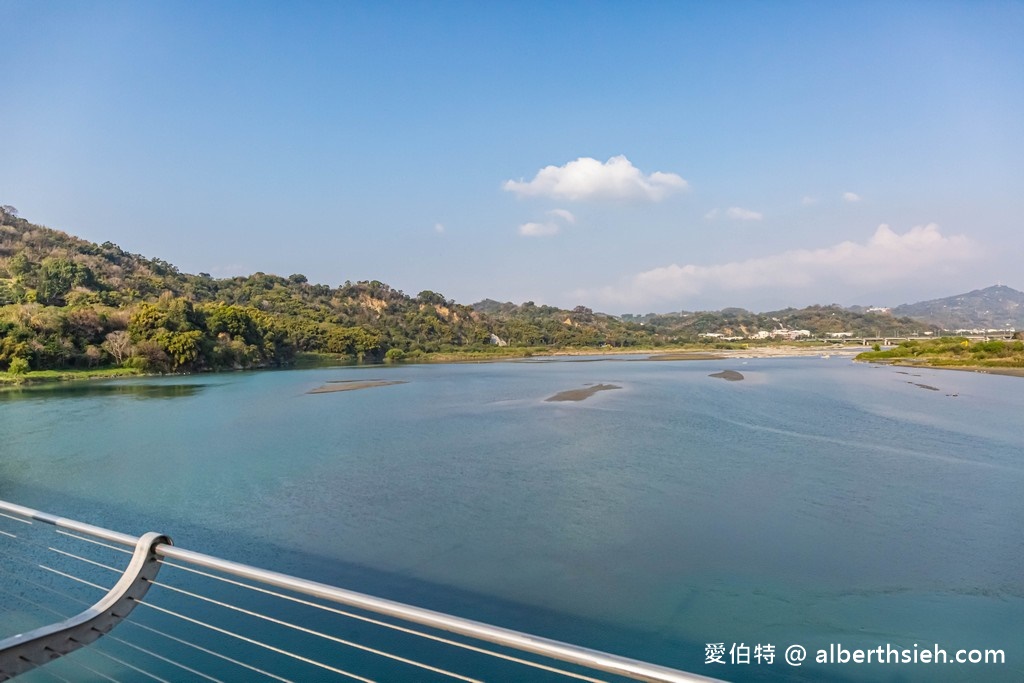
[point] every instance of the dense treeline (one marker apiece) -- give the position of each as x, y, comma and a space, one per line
69, 303
531, 325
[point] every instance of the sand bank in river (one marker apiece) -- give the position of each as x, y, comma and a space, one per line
984, 370
581, 394
352, 385
687, 355
728, 375
760, 352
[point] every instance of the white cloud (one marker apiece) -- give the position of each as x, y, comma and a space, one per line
887, 257
538, 229
738, 214
734, 213
548, 228
851, 197
807, 201
563, 214
588, 178
439, 228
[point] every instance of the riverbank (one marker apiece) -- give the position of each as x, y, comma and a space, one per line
993, 357
43, 376
826, 351
496, 355
982, 369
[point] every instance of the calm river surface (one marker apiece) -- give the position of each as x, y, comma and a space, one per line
817, 501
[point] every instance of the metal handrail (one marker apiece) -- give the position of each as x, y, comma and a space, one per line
25, 651
546, 647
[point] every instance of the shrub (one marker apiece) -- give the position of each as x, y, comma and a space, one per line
19, 366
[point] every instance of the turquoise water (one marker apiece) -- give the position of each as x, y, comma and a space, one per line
817, 501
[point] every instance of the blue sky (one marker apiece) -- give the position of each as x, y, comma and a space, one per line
631, 157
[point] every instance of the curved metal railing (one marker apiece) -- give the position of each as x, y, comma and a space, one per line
207, 618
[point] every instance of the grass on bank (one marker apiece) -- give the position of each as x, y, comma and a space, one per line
35, 376
951, 352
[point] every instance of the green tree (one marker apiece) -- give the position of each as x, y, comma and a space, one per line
184, 348
19, 265
57, 277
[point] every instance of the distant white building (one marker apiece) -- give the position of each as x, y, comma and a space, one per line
783, 333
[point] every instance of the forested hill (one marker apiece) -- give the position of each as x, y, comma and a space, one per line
66, 302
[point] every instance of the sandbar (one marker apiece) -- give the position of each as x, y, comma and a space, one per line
1009, 371
728, 375
687, 355
984, 370
581, 394
352, 385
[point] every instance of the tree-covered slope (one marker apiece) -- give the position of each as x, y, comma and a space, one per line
66, 302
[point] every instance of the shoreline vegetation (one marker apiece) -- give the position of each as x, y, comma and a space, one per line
495, 355
8, 379
993, 357
947, 353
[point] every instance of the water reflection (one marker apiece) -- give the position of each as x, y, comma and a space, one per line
94, 389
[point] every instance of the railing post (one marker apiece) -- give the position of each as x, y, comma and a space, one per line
32, 649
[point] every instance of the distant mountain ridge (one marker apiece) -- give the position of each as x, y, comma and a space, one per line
997, 307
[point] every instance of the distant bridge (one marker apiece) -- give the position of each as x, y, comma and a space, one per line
895, 339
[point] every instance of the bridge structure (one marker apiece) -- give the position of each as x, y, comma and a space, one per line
895, 339
84, 603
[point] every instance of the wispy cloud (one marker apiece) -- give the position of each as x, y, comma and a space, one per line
549, 227
738, 214
439, 228
807, 201
886, 257
564, 215
734, 213
539, 229
851, 197
587, 178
